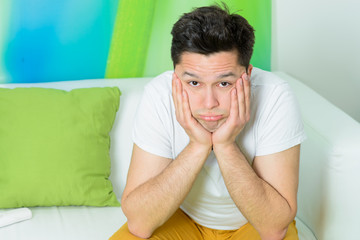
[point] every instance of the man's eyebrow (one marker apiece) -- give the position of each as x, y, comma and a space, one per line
190, 74
224, 75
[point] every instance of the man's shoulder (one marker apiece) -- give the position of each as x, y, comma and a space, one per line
261, 77
161, 84
269, 90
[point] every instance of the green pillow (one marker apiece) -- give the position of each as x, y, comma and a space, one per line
54, 146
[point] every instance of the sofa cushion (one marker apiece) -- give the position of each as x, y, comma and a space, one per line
54, 146
78, 223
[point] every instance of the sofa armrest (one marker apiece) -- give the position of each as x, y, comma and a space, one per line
329, 186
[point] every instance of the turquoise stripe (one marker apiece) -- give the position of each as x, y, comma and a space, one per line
5, 9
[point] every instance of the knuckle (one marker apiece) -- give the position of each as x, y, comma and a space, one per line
241, 122
186, 125
235, 123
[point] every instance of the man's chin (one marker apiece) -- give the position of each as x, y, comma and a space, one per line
211, 126
210, 129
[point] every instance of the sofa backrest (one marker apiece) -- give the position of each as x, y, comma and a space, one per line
329, 182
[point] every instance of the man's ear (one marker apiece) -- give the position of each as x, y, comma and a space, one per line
249, 70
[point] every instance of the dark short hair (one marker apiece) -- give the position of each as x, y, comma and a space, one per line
212, 29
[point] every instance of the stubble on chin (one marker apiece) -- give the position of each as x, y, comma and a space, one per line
211, 126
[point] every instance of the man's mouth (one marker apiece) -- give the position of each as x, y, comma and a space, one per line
210, 117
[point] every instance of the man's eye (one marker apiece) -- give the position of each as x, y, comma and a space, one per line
224, 84
194, 83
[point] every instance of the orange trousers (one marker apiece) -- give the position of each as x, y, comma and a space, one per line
182, 227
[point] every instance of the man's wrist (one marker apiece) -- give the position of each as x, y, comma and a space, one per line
225, 147
199, 147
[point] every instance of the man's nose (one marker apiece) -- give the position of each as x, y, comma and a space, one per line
211, 100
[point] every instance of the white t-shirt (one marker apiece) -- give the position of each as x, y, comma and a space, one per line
275, 125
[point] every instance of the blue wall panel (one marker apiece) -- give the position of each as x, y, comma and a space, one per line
57, 40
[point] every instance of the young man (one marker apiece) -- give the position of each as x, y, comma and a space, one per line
216, 142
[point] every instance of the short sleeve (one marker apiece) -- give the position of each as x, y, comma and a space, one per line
151, 130
280, 125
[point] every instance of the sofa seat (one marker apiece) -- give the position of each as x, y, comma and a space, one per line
82, 223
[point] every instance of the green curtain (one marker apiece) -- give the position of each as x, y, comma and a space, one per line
141, 38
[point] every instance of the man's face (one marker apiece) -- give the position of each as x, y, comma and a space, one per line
208, 81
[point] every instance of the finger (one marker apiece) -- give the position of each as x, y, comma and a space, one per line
234, 106
247, 96
240, 97
173, 87
186, 108
179, 97
174, 94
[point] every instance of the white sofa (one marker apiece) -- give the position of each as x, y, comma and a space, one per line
329, 179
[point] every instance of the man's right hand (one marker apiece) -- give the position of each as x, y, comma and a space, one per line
153, 187
197, 133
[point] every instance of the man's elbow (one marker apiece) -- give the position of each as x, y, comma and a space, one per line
274, 235
279, 232
135, 225
139, 230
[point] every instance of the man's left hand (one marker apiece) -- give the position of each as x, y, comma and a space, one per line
239, 113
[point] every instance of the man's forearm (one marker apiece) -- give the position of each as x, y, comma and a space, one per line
151, 204
258, 201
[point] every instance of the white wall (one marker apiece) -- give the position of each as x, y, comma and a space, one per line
318, 42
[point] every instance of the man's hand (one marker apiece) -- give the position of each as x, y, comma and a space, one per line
197, 133
239, 114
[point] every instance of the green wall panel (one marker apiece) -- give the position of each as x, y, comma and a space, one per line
141, 37
130, 39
